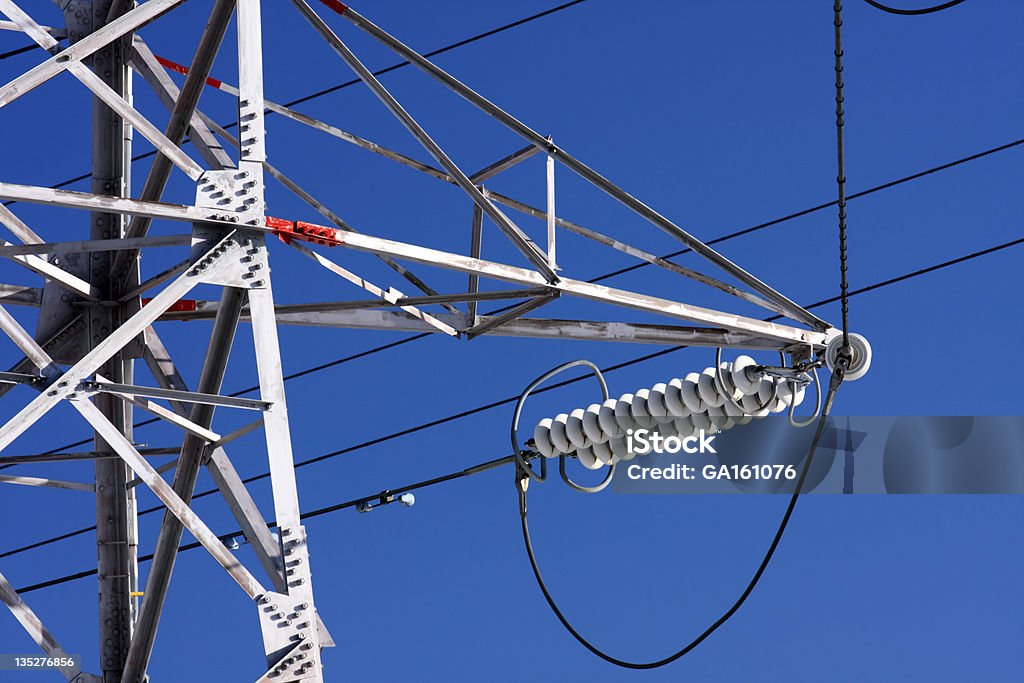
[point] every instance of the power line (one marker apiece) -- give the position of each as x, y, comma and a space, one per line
913, 12
456, 475
20, 50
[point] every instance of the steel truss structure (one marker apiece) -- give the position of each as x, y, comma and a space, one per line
94, 320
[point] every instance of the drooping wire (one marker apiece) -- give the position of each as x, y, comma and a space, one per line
751, 585
913, 12
511, 399
522, 480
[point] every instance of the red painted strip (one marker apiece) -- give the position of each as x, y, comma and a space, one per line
183, 70
336, 6
173, 66
179, 306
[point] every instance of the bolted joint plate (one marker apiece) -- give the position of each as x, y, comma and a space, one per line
250, 270
234, 195
291, 637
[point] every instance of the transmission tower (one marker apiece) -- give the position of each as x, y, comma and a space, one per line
97, 311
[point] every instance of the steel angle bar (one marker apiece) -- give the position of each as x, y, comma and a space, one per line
793, 310
504, 164
51, 346
585, 290
212, 264
476, 243
85, 246
38, 632
130, 21
181, 116
58, 33
42, 267
166, 494
496, 321
155, 281
47, 483
84, 455
390, 295
24, 341
17, 227
172, 394
512, 231
156, 76
107, 204
237, 434
173, 418
583, 330
20, 378
20, 295
186, 474
207, 309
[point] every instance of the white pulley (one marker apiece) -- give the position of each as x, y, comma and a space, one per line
860, 355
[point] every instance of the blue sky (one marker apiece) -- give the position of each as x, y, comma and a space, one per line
720, 115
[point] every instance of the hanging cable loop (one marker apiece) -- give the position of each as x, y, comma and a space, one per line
521, 463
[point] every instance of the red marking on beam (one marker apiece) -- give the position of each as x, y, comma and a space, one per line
336, 6
183, 70
179, 306
307, 232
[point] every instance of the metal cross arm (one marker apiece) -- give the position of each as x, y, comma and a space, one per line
793, 310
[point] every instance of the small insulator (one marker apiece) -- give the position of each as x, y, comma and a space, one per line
707, 390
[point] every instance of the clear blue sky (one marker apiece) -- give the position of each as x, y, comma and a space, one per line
721, 116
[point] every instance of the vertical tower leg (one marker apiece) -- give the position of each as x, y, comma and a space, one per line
116, 522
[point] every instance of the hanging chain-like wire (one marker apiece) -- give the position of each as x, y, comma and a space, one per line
841, 176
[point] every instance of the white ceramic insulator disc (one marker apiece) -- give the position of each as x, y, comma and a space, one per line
559, 439
588, 459
542, 440
592, 424
574, 429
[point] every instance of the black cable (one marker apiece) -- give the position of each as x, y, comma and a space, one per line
841, 172
20, 50
836, 381
348, 84
913, 12
611, 368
